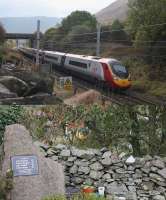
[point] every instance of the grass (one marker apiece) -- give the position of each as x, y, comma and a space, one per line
76, 197
156, 88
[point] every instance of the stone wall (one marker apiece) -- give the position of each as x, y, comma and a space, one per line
134, 178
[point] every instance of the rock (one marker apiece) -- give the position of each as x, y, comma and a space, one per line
71, 159
120, 171
114, 188
14, 84
158, 197
107, 154
65, 153
158, 163
73, 169
40, 86
104, 149
17, 141
106, 161
106, 176
77, 180
96, 166
86, 154
162, 172
5, 93
156, 177
81, 163
130, 160
84, 170
60, 147
96, 175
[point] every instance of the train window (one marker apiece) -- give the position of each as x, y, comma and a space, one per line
51, 57
78, 64
119, 70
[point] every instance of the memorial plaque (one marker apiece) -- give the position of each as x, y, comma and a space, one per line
25, 165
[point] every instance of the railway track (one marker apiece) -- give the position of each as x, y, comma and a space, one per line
124, 98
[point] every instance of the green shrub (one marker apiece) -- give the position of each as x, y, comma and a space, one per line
8, 115
76, 197
6, 184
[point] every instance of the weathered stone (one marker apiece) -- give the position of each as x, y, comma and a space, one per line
106, 161
18, 141
162, 172
158, 197
81, 163
71, 159
65, 153
84, 170
77, 180
87, 154
106, 176
107, 154
60, 146
131, 196
5, 93
158, 163
104, 149
96, 166
14, 84
95, 174
114, 188
73, 169
130, 160
120, 171
156, 177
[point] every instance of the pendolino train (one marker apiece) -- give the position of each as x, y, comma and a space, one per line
106, 71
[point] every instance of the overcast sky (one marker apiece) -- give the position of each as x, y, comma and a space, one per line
54, 8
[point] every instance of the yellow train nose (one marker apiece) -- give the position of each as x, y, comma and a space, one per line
123, 83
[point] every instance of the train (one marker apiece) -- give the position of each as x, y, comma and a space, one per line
107, 72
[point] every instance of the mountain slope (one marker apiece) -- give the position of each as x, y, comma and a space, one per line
116, 10
27, 24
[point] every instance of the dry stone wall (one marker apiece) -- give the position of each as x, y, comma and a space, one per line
133, 178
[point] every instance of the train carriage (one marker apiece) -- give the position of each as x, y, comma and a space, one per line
106, 70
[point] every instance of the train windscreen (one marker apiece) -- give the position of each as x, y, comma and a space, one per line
119, 70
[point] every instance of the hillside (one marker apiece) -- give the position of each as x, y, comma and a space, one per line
116, 10
27, 24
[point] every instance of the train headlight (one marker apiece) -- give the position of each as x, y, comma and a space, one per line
115, 77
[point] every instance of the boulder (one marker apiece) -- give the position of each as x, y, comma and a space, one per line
14, 84
49, 181
5, 92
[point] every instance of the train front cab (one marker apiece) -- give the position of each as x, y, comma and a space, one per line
116, 75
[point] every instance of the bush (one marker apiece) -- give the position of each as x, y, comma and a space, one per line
76, 197
8, 115
6, 184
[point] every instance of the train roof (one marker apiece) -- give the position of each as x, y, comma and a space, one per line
90, 58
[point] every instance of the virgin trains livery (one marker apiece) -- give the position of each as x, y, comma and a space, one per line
107, 71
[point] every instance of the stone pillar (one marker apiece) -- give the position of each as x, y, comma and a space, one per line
49, 181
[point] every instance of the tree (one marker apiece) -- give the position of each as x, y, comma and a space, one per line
78, 18
67, 36
118, 33
146, 24
2, 34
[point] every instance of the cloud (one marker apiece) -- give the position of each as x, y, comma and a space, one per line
57, 8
